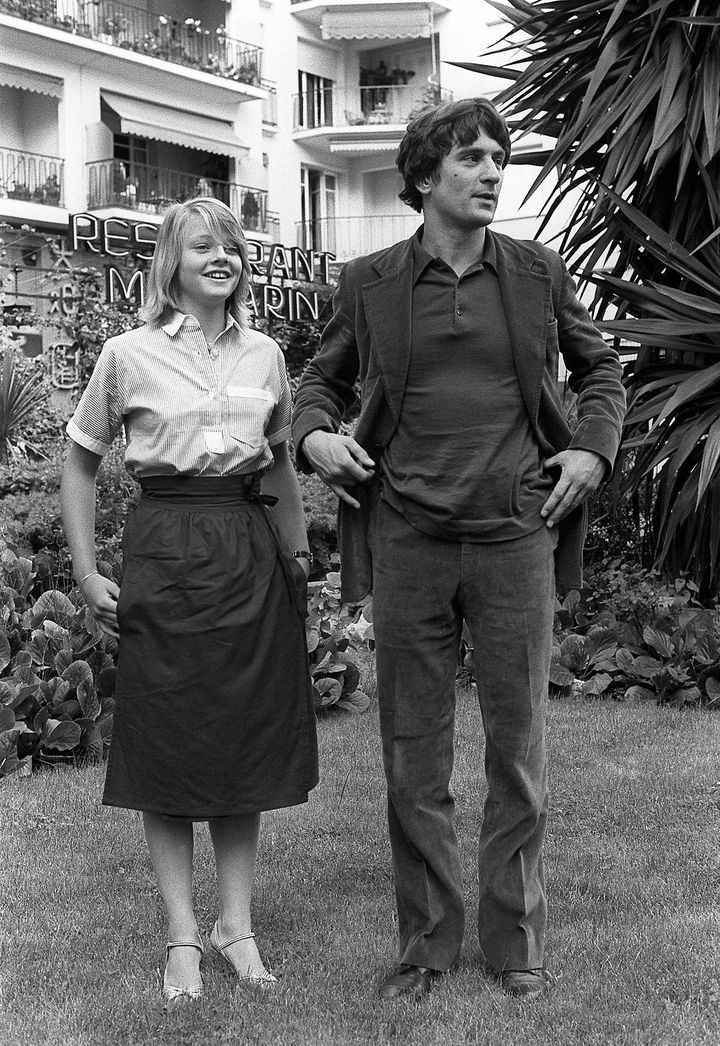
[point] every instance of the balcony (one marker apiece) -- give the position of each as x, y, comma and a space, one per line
348, 237
183, 42
30, 176
345, 119
151, 190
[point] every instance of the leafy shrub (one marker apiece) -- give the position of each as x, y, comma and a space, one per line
320, 507
614, 527
30, 506
56, 671
634, 636
332, 630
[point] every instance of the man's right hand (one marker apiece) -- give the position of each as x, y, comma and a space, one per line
338, 461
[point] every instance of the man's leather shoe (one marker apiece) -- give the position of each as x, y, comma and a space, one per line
407, 980
525, 983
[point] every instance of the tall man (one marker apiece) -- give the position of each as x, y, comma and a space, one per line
461, 499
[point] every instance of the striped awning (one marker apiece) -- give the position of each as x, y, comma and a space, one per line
25, 80
165, 124
369, 24
354, 146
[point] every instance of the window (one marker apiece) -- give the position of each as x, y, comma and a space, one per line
130, 150
318, 211
315, 97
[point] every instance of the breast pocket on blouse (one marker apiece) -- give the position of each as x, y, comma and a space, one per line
249, 410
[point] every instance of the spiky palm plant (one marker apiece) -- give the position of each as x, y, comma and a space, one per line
21, 394
672, 430
629, 90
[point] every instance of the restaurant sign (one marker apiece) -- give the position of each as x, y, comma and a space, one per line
283, 280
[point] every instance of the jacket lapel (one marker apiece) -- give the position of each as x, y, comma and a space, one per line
525, 288
388, 310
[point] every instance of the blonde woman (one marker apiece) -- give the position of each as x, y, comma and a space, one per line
214, 719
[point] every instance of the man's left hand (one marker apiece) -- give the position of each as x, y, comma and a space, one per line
582, 472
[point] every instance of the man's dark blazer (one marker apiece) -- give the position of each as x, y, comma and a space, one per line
369, 336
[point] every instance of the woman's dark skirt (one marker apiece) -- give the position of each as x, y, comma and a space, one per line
214, 712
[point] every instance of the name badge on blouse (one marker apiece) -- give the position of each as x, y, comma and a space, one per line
214, 441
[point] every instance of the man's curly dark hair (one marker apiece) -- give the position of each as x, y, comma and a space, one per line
431, 136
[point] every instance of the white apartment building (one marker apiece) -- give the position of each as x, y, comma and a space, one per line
290, 111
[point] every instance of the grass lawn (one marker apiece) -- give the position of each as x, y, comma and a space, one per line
632, 869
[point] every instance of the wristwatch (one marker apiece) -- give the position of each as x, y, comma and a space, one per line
303, 553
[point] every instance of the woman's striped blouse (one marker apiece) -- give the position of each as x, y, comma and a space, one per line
187, 407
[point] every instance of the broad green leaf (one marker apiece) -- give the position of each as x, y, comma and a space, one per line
328, 691
573, 653
639, 693
88, 699
601, 642
560, 675
712, 689
597, 684
624, 659
660, 642
5, 651
54, 605
645, 667
7, 719
355, 703
61, 736
687, 695
62, 660
78, 672
91, 742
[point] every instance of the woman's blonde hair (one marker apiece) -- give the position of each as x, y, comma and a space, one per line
161, 292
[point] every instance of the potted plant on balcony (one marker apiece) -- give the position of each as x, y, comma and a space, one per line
114, 27
245, 73
18, 191
249, 212
51, 191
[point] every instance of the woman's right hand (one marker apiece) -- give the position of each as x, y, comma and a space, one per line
101, 595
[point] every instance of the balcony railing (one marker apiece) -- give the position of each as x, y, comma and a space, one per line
363, 106
153, 189
30, 176
349, 237
184, 42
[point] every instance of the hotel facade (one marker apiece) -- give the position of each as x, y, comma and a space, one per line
290, 111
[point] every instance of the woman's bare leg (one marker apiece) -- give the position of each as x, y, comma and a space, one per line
170, 842
235, 842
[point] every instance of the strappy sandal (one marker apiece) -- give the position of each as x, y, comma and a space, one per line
264, 980
170, 992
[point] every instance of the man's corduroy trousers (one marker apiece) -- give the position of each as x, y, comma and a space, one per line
423, 589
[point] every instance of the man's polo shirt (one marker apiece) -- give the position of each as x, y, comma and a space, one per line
463, 464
